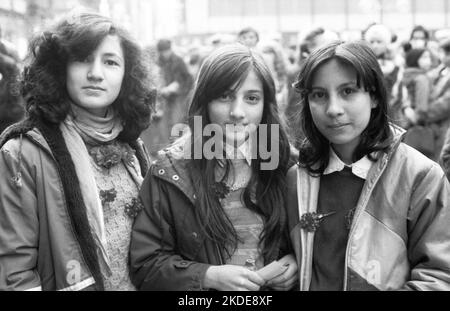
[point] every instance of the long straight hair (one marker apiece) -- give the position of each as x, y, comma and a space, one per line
314, 152
224, 69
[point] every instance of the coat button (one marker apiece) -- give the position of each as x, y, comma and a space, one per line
195, 235
195, 197
161, 172
175, 177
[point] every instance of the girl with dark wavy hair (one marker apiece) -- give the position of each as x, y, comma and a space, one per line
366, 211
211, 221
72, 170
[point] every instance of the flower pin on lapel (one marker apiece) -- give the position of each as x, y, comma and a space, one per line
311, 221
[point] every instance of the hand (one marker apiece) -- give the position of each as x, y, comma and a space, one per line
288, 278
232, 278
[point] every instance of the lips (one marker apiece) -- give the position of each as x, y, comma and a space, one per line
337, 126
94, 88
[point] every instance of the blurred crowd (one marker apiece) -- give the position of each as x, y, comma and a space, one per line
416, 70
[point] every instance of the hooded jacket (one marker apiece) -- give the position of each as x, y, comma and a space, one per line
399, 238
45, 237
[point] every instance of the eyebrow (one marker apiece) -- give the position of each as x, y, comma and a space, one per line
113, 55
350, 83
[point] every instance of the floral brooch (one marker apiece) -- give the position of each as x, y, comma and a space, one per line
311, 221
221, 189
108, 196
133, 208
109, 155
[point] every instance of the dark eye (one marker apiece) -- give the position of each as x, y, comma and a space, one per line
253, 98
348, 91
110, 62
225, 97
316, 95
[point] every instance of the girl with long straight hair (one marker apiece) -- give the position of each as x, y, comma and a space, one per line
210, 221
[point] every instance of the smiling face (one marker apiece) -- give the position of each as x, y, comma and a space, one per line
240, 107
340, 109
95, 82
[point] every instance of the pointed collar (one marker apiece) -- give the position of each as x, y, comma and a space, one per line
359, 168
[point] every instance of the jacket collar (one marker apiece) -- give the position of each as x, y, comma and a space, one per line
174, 169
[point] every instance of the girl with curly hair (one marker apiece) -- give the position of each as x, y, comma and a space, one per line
72, 170
365, 210
213, 221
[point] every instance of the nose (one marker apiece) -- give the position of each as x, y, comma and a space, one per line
95, 72
236, 110
334, 107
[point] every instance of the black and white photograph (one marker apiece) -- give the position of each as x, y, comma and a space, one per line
211, 146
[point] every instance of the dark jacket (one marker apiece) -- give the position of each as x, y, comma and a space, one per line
174, 69
169, 250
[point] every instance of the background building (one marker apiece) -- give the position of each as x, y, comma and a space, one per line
196, 20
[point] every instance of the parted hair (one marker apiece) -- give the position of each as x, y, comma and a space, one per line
223, 70
75, 37
314, 152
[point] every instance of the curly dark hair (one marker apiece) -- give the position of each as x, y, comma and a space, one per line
75, 37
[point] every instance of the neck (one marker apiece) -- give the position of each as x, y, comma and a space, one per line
345, 154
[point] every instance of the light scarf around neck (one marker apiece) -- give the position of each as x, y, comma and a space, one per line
78, 128
94, 129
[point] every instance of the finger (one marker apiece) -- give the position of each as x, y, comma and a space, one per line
249, 285
278, 279
288, 259
255, 278
284, 286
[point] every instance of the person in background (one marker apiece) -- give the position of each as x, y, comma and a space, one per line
420, 39
365, 210
11, 103
71, 171
177, 84
415, 79
273, 55
437, 116
379, 38
248, 37
210, 221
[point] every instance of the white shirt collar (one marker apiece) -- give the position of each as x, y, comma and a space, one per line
360, 168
